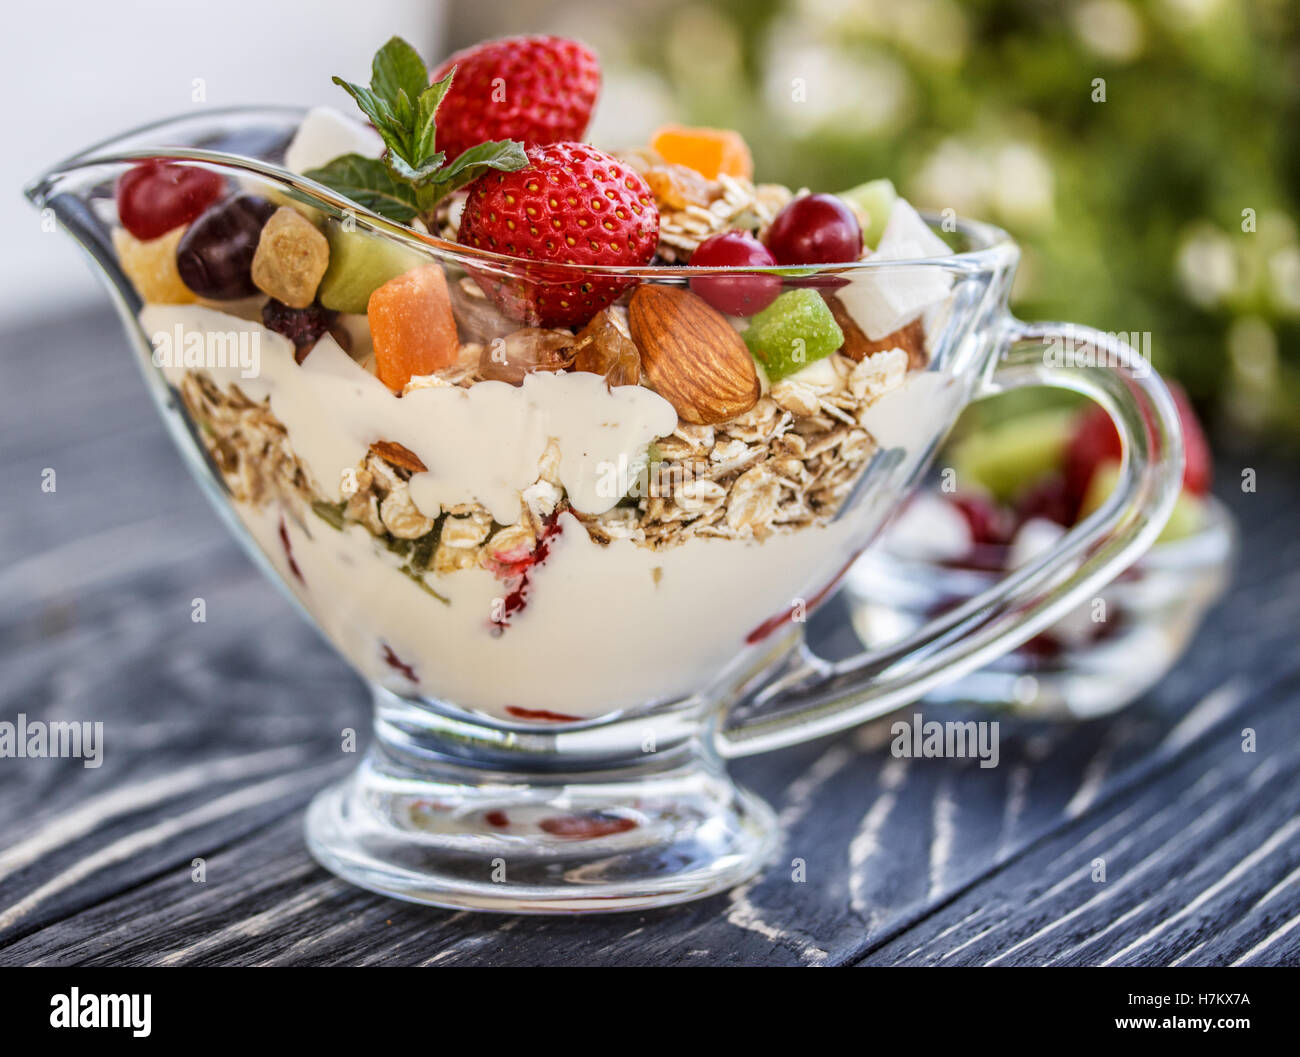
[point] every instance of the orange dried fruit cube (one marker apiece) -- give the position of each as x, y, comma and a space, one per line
151, 266
709, 151
412, 327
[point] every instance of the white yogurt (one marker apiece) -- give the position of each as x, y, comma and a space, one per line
481, 444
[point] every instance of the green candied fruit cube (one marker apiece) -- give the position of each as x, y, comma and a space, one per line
876, 198
793, 331
360, 263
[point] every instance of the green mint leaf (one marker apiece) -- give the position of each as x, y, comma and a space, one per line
424, 172
424, 141
411, 178
368, 182
398, 70
393, 131
507, 155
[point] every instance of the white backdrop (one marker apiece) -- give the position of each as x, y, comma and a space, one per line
78, 71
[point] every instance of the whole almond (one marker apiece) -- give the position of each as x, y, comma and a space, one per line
692, 356
857, 346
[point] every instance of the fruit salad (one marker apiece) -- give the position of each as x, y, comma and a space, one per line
495, 446
1014, 488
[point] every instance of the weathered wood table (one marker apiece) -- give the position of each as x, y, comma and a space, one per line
217, 733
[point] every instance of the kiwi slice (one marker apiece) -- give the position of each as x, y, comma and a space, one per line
876, 198
360, 263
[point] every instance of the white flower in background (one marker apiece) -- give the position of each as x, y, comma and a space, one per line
632, 104
1011, 182
1022, 185
954, 176
1284, 278
933, 29
1252, 348
1252, 386
1109, 28
703, 49
1206, 264
812, 85
1192, 10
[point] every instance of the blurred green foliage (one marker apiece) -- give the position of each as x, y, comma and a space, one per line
1145, 154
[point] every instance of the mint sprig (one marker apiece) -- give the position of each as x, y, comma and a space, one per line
413, 176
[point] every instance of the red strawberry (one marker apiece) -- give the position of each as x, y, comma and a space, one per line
1095, 442
573, 205
533, 89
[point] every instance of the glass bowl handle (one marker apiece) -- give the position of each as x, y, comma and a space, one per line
810, 696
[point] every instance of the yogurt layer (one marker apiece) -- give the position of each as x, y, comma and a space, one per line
604, 626
481, 444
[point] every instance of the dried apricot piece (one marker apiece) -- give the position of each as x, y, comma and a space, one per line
151, 266
412, 326
676, 186
709, 151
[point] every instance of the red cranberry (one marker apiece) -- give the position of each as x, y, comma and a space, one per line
815, 229
742, 295
156, 196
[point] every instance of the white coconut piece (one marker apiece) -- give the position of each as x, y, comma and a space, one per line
885, 301
325, 134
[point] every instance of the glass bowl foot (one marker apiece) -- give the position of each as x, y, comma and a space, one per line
453, 836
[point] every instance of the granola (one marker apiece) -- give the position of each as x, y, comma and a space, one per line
784, 465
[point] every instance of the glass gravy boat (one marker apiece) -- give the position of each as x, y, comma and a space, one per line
550, 729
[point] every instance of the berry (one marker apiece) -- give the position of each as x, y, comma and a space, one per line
988, 522
1047, 499
156, 196
536, 90
815, 229
573, 204
1095, 441
302, 326
215, 255
793, 331
743, 295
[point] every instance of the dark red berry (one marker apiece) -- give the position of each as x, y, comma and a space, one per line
742, 295
215, 255
815, 229
302, 326
155, 196
988, 522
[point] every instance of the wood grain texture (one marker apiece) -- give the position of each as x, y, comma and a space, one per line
216, 734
